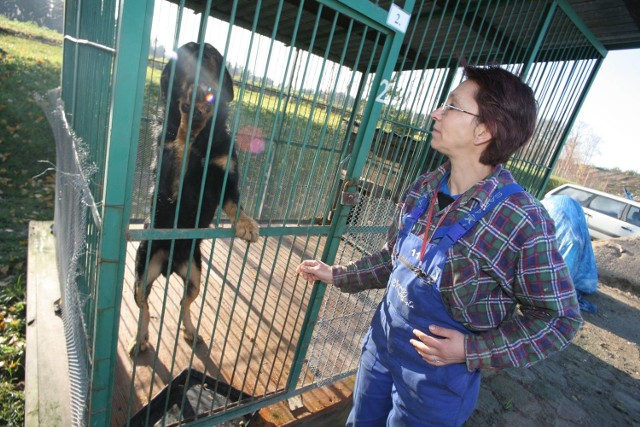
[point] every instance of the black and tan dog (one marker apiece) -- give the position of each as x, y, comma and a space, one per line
180, 205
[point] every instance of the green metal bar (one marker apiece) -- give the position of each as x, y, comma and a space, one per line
261, 364
76, 48
567, 94
541, 34
571, 121
281, 109
152, 217
291, 337
501, 40
264, 177
330, 166
485, 28
240, 96
307, 128
426, 79
297, 117
201, 34
530, 28
368, 13
552, 91
126, 105
571, 14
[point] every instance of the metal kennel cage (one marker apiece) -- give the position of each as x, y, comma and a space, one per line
330, 121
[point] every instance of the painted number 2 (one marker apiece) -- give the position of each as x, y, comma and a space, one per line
384, 85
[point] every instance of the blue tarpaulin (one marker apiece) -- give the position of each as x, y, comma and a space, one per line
575, 245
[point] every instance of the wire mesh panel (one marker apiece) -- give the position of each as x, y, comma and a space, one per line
80, 121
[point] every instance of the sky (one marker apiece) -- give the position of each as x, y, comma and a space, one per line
612, 110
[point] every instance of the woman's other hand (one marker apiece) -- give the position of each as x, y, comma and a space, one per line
444, 348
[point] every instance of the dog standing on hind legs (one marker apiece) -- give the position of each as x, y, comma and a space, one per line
183, 208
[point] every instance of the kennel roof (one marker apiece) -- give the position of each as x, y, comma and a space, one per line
615, 24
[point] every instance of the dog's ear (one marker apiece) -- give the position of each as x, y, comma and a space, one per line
164, 79
227, 84
183, 58
216, 61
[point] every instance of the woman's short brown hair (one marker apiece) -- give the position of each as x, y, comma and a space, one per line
507, 107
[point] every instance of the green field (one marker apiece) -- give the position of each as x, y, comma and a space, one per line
30, 63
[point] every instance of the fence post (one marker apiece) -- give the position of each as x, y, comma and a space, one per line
132, 46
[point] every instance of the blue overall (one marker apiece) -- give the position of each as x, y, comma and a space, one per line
394, 385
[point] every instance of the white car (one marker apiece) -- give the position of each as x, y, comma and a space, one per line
608, 216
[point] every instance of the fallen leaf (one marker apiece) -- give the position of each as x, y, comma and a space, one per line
13, 129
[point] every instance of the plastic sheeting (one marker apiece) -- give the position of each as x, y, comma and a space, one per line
575, 245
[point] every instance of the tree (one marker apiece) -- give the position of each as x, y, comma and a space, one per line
48, 13
579, 149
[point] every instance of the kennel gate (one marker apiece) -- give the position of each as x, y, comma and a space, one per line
328, 164
321, 139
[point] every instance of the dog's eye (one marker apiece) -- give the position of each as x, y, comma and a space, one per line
209, 97
185, 108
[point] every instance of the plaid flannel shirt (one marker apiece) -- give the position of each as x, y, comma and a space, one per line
504, 280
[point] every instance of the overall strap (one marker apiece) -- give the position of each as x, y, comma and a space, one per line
410, 218
421, 206
459, 229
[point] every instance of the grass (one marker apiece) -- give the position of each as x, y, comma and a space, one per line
29, 64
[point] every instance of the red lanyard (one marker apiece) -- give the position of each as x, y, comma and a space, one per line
428, 224
432, 203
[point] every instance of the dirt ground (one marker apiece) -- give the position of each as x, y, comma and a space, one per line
596, 380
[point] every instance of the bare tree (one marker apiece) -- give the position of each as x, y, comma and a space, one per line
578, 151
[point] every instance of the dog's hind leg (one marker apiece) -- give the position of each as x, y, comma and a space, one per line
142, 289
192, 287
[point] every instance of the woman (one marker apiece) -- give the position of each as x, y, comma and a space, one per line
473, 275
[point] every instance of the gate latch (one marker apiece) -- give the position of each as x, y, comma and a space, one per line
349, 198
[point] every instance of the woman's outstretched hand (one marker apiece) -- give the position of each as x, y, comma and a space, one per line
312, 270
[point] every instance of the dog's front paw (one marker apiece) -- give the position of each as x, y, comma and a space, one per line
247, 229
144, 345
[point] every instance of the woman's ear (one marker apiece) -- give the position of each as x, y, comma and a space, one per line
482, 134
